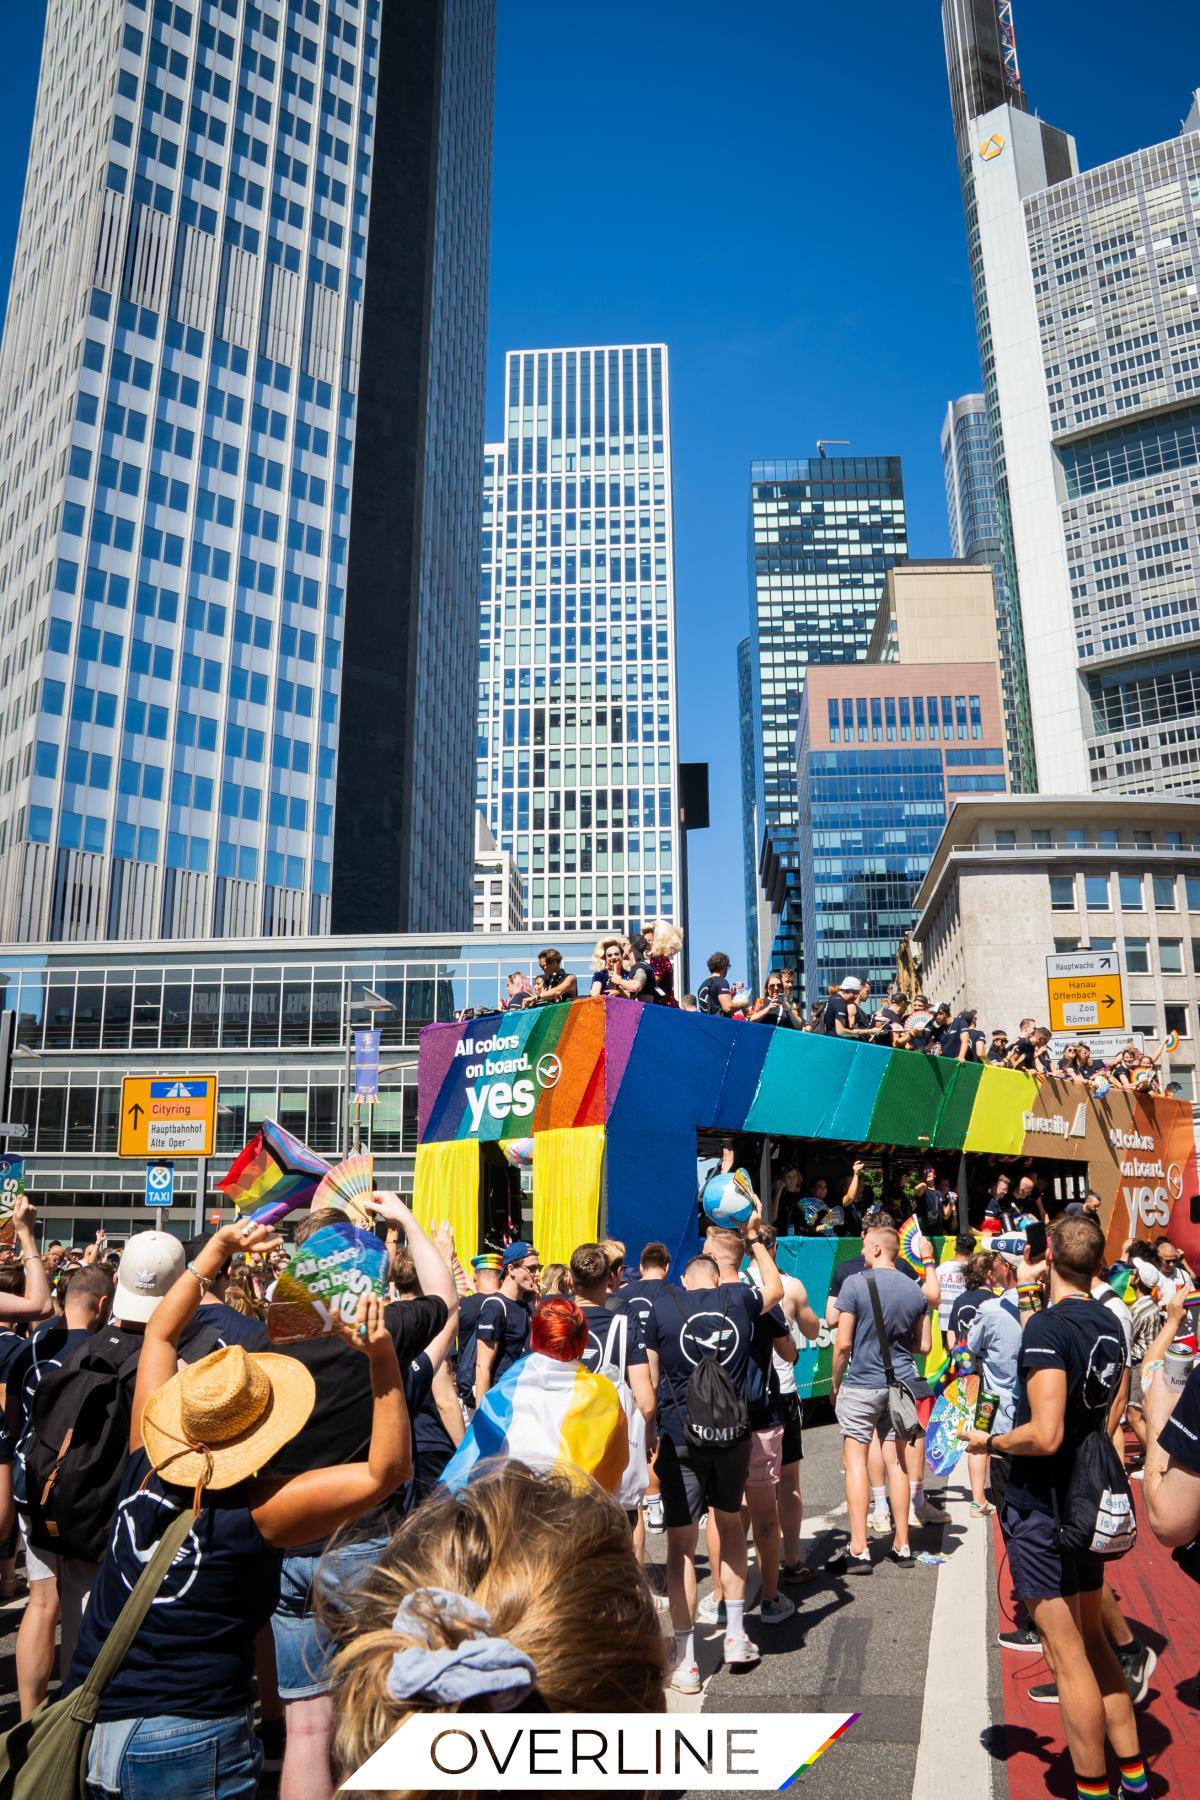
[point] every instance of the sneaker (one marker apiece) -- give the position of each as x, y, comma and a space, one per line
710, 1611
984, 1510
1022, 1639
685, 1679
796, 1572
774, 1612
654, 1513
740, 1651
848, 1563
1138, 1662
903, 1557
272, 1735
1046, 1694
930, 1513
879, 1524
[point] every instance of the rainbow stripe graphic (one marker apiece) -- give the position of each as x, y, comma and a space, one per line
550, 1415
819, 1753
276, 1170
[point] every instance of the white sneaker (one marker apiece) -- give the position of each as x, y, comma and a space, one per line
654, 1513
930, 1513
879, 1524
710, 1611
740, 1650
685, 1679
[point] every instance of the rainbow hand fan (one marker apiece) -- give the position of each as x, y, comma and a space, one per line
346, 1184
1171, 1042
910, 1237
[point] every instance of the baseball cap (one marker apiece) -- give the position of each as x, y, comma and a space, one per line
516, 1253
851, 982
151, 1262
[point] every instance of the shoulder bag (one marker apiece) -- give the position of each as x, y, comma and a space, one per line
901, 1401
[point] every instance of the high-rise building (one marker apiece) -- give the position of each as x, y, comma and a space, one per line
241, 396
823, 534
747, 761
577, 745
1089, 330
974, 520
499, 891
883, 751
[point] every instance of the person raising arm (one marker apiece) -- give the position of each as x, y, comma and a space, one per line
35, 1302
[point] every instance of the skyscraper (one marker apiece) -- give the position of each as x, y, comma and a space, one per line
747, 760
974, 520
1089, 330
577, 745
241, 393
823, 534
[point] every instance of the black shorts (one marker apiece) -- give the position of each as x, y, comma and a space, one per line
692, 1480
1041, 1569
793, 1435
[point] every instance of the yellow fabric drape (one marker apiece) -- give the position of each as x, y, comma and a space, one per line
567, 1169
446, 1186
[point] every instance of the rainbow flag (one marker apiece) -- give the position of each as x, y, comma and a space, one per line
274, 1169
818, 1753
549, 1415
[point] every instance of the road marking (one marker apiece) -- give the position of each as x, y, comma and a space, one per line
956, 1671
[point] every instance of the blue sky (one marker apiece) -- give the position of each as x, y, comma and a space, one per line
771, 191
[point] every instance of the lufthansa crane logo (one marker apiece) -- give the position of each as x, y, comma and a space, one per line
992, 148
548, 1070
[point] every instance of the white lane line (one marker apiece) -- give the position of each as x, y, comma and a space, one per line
956, 1673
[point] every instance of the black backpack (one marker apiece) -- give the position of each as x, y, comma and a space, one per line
1097, 1512
75, 1446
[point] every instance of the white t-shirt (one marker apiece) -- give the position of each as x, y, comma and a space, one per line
952, 1278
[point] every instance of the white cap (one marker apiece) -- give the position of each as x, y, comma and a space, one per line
851, 981
151, 1262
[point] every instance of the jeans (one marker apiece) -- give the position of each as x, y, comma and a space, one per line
302, 1650
175, 1759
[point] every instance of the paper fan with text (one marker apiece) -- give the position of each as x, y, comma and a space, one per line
910, 1241
346, 1186
324, 1281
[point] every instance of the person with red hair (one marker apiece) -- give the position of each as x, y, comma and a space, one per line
559, 1330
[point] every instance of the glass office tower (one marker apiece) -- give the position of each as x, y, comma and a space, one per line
823, 534
577, 745
747, 761
245, 333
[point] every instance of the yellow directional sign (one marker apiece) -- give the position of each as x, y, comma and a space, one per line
168, 1115
1084, 991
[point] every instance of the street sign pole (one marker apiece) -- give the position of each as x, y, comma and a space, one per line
158, 1218
201, 1193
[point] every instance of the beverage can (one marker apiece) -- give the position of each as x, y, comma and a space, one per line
1177, 1366
1029, 1296
986, 1408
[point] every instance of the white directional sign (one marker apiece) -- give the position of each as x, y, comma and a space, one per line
160, 1184
1105, 1046
1084, 991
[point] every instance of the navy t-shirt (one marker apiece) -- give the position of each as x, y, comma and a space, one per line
231, 1327
1180, 1436
431, 1443
962, 1313
686, 1326
762, 1391
468, 1321
600, 1324
836, 1008
708, 994
194, 1655
1082, 1338
504, 1323
636, 1297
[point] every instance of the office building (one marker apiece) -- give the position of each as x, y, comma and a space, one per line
974, 521
746, 763
577, 742
241, 395
823, 534
1089, 330
499, 895
883, 750
268, 1018
1017, 877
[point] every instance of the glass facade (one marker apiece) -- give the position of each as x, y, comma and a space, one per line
269, 1018
179, 398
823, 535
746, 757
577, 742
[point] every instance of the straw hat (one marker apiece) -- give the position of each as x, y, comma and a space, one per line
219, 1420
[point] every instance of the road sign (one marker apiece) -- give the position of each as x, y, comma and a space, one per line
1085, 993
12, 1128
168, 1115
1105, 1046
160, 1184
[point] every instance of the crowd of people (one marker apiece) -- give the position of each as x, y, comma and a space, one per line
345, 1528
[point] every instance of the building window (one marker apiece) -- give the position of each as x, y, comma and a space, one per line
1062, 893
1065, 946
1192, 892
1164, 893
1142, 1016
1178, 1018
1170, 956
1006, 840
1196, 956
1185, 1081
1102, 943
1095, 888
1133, 897
1137, 955
1040, 839
1076, 838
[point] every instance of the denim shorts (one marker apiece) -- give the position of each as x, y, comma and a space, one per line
175, 1759
302, 1650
